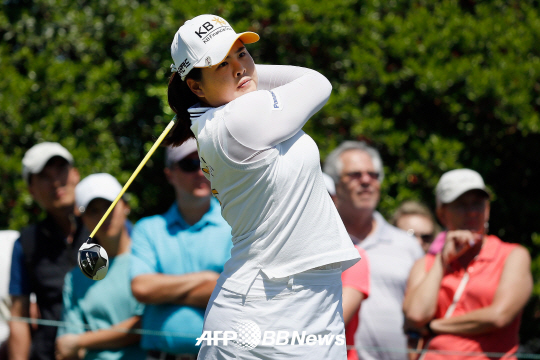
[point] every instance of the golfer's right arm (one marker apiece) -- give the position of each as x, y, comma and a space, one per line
19, 340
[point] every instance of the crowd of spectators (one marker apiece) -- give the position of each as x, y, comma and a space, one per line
417, 292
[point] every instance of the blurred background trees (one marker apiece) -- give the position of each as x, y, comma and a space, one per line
433, 85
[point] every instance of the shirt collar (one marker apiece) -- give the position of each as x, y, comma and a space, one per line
490, 249
487, 253
50, 229
196, 111
380, 233
173, 216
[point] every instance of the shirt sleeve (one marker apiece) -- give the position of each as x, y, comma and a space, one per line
143, 259
357, 276
287, 97
19, 283
71, 312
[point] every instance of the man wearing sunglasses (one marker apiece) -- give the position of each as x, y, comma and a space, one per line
357, 171
177, 258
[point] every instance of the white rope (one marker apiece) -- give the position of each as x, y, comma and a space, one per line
175, 334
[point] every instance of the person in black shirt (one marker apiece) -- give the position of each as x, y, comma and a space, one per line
45, 251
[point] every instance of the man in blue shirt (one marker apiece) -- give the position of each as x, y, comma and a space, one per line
177, 258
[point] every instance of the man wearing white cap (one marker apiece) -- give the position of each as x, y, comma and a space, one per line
100, 314
177, 258
46, 251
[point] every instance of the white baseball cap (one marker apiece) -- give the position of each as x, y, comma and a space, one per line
37, 156
455, 183
204, 41
96, 186
174, 154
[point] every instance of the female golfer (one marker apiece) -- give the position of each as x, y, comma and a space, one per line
281, 290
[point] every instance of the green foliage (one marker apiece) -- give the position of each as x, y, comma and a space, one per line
433, 85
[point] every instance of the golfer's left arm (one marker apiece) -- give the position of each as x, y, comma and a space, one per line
263, 119
512, 294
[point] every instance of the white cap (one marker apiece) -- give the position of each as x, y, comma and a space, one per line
174, 154
204, 41
96, 186
330, 185
37, 156
455, 183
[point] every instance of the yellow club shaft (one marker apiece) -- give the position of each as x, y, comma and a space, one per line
135, 173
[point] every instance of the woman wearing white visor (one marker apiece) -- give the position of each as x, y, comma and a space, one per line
279, 296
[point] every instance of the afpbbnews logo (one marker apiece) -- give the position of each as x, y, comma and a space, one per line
248, 336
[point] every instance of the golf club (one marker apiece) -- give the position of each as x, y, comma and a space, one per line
92, 258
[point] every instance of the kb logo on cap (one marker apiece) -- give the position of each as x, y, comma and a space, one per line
208, 26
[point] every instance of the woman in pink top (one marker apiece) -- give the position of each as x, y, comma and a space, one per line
355, 282
467, 300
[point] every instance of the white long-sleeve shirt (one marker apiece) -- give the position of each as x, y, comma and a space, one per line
265, 171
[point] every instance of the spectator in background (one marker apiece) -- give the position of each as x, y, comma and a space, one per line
355, 282
468, 298
358, 172
46, 251
99, 314
7, 239
418, 221
177, 258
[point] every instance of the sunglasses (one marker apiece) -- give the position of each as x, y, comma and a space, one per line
189, 165
426, 238
357, 175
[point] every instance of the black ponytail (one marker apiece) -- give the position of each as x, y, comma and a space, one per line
181, 98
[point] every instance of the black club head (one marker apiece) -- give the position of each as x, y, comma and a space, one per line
93, 261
